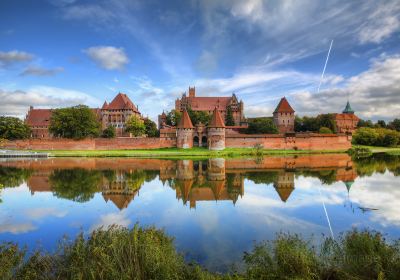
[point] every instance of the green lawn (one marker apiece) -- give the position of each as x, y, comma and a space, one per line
175, 152
387, 150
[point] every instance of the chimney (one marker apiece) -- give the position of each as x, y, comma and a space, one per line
192, 92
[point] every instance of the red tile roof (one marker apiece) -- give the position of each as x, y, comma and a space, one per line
284, 107
346, 117
216, 119
120, 102
185, 121
208, 103
38, 117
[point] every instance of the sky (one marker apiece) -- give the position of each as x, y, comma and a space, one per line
58, 53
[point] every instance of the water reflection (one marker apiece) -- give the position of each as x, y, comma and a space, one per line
215, 208
215, 179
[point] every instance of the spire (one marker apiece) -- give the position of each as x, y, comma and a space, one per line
185, 121
216, 119
348, 109
284, 106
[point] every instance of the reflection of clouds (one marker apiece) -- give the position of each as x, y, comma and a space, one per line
17, 228
39, 213
381, 191
117, 218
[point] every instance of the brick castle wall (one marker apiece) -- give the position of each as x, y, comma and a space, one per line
306, 141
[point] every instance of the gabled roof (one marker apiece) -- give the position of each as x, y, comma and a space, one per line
105, 105
216, 119
38, 117
284, 107
208, 103
185, 121
348, 109
122, 101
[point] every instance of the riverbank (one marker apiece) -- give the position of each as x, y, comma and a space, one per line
148, 253
190, 153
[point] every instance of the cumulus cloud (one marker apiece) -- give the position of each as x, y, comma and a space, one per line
108, 57
39, 71
374, 93
39, 213
11, 57
118, 218
17, 102
17, 228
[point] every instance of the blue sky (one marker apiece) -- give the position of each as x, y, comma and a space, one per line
65, 52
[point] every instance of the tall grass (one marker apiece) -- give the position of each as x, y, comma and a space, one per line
138, 253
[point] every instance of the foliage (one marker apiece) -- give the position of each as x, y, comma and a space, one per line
229, 121
381, 123
173, 117
75, 184
314, 124
76, 122
364, 123
326, 176
198, 116
13, 128
359, 152
2, 142
261, 126
148, 253
376, 137
325, 130
109, 132
266, 177
13, 177
395, 124
135, 125
151, 128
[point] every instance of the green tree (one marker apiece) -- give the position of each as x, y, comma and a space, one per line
363, 123
75, 184
76, 122
325, 130
395, 124
173, 117
135, 125
229, 121
365, 136
13, 128
198, 116
326, 120
151, 128
109, 132
261, 126
381, 123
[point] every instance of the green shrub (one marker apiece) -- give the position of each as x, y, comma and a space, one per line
109, 132
365, 136
376, 137
325, 130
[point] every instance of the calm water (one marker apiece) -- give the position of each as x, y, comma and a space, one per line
216, 209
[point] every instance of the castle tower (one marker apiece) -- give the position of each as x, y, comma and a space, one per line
284, 185
216, 132
284, 116
347, 121
192, 92
184, 132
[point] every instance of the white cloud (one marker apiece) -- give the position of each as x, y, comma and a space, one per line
11, 57
39, 213
118, 218
17, 102
39, 71
108, 57
17, 228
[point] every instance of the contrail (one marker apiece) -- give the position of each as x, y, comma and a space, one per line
323, 71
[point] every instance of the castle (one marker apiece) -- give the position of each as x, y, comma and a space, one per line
115, 113
215, 135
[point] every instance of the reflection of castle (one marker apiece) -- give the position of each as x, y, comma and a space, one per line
193, 181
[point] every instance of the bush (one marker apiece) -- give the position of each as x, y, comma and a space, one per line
109, 132
325, 130
365, 136
13, 128
261, 126
376, 137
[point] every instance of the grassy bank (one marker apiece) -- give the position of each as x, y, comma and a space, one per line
386, 150
119, 253
175, 152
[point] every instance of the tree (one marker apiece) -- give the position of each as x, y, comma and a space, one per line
198, 116
261, 126
13, 128
326, 120
135, 125
395, 124
381, 123
363, 123
76, 122
109, 132
151, 128
229, 121
325, 130
365, 136
173, 117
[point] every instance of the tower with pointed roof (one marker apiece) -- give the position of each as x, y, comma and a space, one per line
347, 121
216, 131
184, 132
117, 112
284, 116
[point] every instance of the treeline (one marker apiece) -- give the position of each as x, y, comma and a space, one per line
324, 123
376, 137
77, 122
148, 253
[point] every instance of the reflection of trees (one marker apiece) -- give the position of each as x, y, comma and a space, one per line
135, 179
264, 177
378, 163
326, 177
75, 184
13, 177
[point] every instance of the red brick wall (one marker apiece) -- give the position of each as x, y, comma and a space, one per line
91, 144
301, 141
